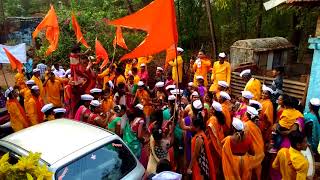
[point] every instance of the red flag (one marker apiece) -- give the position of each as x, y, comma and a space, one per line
101, 53
158, 19
119, 40
14, 62
77, 31
50, 23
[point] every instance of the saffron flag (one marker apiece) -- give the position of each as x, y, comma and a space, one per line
171, 54
119, 40
101, 53
14, 62
77, 31
50, 23
158, 19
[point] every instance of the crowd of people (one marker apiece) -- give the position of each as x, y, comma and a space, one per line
197, 130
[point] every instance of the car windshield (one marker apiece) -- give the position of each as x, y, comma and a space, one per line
111, 161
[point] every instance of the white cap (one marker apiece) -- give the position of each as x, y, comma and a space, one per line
195, 93
176, 91
223, 84
197, 104
255, 102
68, 71
35, 88
143, 65
30, 82
179, 49
247, 71
87, 97
170, 87
222, 55
266, 88
190, 84
95, 90
159, 68
167, 175
159, 84
140, 83
237, 124
95, 103
139, 106
315, 102
8, 91
225, 95
35, 70
171, 98
252, 111
247, 94
217, 106
46, 107
199, 77
59, 110
111, 84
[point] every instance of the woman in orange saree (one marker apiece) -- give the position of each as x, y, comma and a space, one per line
236, 150
201, 166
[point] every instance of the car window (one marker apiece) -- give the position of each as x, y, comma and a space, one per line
111, 161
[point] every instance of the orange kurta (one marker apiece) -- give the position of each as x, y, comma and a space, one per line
38, 82
107, 105
18, 116
201, 71
258, 145
33, 110
227, 115
19, 77
234, 167
196, 172
53, 91
216, 135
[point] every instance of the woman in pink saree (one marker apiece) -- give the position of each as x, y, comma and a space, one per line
83, 112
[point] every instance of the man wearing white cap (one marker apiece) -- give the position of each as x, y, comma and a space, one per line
221, 71
246, 96
201, 67
253, 85
96, 93
267, 112
53, 90
225, 99
177, 66
26, 91
18, 118
33, 107
38, 82
159, 75
222, 86
59, 113
94, 117
48, 112
257, 139
83, 112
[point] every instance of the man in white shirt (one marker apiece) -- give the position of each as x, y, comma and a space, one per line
58, 70
42, 68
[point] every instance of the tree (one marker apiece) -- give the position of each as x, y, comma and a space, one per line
212, 31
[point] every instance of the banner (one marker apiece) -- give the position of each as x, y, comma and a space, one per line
19, 51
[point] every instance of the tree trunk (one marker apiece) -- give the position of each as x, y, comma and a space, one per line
2, 23
209, 14
129, 5
259, 20
238, 15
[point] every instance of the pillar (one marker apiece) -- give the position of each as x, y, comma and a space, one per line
314, 82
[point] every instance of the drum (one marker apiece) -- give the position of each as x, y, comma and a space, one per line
309, 156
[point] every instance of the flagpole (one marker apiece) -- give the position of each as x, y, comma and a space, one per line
5, 79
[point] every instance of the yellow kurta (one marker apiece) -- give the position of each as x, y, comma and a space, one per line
292, 164
106, 75
143, 60
18, 117
136, 79
19, 77
267, 110
220, 72
128, 68
38, 82
120, 79
174, 63
201, 71
289, 117
32, 112
26, 93
254, 86
53, 91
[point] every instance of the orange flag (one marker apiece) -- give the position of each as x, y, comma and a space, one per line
158, 19
15, 63
50, 23
171, 54
101, 53
119, 40
78, 32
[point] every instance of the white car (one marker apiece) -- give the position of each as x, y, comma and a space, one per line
75, 151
